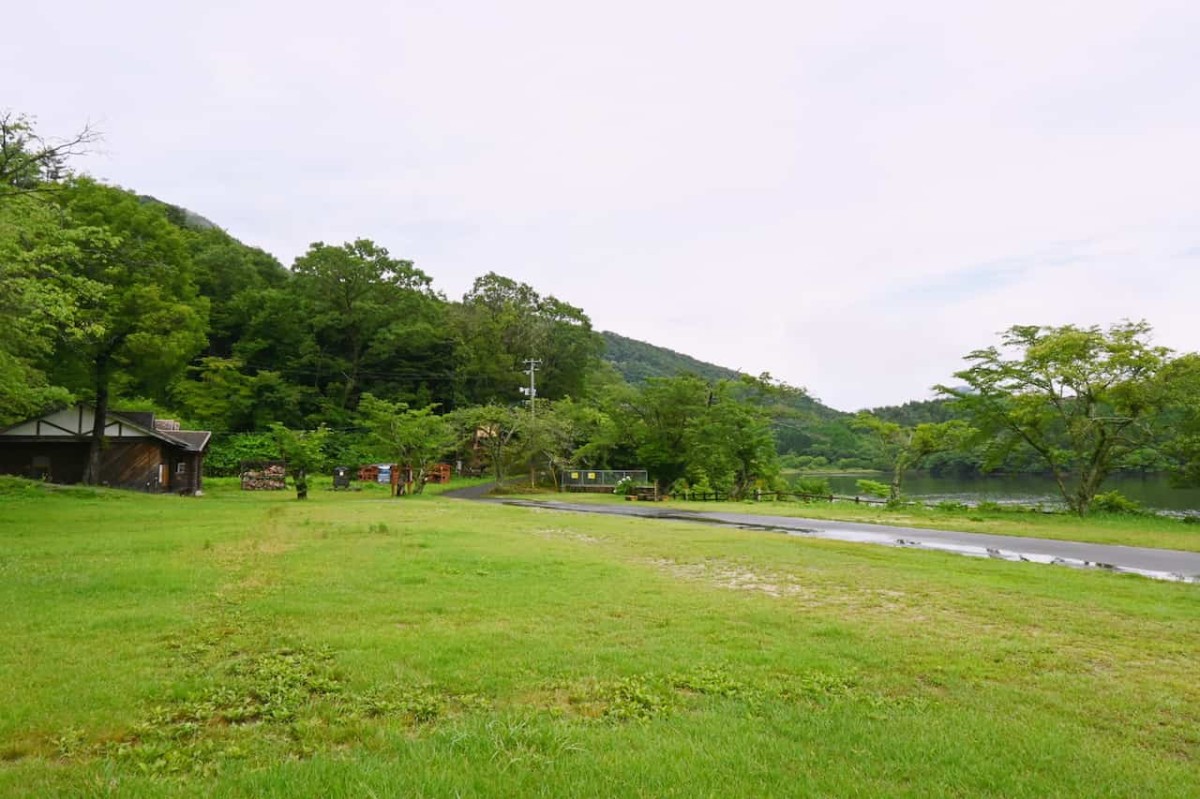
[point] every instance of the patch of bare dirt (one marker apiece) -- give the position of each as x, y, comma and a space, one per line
738, 577
558, 532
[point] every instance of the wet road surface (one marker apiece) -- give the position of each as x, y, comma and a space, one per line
1163, 564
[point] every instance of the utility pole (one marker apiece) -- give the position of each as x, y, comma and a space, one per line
531, 365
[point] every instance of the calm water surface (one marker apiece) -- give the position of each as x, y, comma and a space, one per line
1153, 491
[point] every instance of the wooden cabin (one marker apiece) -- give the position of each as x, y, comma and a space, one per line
138, 451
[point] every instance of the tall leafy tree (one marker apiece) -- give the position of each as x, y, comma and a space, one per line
1080, 398
374, 318
904, 448
226, 397
30, 162
731, 444
1179, 424
412, 437
502, 322
232, 276
493, 431
664, 415
303, 451
145, 320
39, 302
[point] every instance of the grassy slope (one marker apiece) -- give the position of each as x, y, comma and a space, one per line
1098, 528
353, 645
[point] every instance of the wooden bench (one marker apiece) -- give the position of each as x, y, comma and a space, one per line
643, 494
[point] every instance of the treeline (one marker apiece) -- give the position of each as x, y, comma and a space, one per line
350, 354
131, 303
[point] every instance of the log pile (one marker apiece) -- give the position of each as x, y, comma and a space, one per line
439, 473
264, 477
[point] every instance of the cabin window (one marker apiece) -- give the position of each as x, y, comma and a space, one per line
181, 467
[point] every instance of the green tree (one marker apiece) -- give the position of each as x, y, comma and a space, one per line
366, 310
493, 430
1179, 425
227, 398
30, 163
502, 322
40, 304
303, 451
144, 321
594, 436
549, 438
905, 448
1081, 398
232, 276
412, 437
663, 417
730, 444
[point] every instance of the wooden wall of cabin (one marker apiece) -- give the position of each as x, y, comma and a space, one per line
56, 461
141, 464
134, 464
186, 472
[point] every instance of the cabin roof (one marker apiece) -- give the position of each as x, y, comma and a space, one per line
75, 423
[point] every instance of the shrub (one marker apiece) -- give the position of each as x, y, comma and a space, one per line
1116, 502
816, 486
226, 453
623, 486
873, 488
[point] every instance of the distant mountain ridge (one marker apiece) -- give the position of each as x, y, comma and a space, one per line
638, 360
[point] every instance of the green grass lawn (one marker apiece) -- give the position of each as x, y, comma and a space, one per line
356, 645
1098, 528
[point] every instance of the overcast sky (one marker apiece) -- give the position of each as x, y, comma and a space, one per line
848, 195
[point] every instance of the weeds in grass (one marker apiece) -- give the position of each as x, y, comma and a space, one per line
634, 699
419, 705
715, 682
273, 697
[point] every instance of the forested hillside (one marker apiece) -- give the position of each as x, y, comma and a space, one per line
638, 360
126, 301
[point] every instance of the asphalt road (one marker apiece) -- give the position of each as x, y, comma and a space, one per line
1168, 564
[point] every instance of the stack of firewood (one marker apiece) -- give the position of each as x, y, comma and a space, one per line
272, 477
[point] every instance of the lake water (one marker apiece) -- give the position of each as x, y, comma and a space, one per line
1153, 491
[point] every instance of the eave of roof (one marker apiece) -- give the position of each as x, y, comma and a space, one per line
194, 441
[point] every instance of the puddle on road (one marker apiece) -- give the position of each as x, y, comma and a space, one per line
886, 539
865, 537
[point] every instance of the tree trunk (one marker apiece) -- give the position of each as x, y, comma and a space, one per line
897, 482
301, 484
91, 475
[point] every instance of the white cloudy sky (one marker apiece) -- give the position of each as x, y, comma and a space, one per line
848, 195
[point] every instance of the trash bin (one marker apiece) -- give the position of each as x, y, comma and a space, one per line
341, 477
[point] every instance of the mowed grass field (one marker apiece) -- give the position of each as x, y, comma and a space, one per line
354, 645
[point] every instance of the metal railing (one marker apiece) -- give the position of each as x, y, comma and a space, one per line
602, 478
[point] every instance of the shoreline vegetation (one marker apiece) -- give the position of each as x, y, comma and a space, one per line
245, 644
